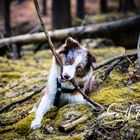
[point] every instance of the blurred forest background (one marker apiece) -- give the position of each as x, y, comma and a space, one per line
19, 17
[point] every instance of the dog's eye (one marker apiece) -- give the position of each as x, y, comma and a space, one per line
79, 68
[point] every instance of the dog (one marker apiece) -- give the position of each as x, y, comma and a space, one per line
77, 64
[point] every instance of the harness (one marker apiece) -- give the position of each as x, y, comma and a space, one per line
61, 90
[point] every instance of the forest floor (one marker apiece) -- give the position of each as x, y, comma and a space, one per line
119, 94
21, 82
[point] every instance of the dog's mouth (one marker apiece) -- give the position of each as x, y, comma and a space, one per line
61, 79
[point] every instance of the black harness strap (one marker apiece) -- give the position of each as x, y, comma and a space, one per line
61, 90
58, 94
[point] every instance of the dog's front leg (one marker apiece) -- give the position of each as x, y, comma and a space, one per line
48, 98
45, 104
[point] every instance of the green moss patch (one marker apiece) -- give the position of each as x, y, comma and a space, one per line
23, 126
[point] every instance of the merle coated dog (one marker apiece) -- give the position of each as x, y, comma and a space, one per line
77, 64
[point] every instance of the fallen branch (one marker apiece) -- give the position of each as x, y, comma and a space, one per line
69, 126
110, 30
109, 69
22, 98
97, 106
118, 57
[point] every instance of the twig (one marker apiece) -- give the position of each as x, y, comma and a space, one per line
118, 57
23, 98
69, 126
109, 69
52, 47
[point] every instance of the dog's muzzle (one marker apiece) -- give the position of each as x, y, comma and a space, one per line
64, 78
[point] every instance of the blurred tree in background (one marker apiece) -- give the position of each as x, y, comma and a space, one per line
80, 9
44, 7
103, 6
125, 5
61, 14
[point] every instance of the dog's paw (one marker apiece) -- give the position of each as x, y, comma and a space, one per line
35, 124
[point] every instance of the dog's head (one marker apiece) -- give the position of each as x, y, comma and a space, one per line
77, 60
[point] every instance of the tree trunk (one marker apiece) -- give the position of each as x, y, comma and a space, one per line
103, 6
125, 5
8, 30
80, 9
7, 20
123, 32
44, 7
61, 15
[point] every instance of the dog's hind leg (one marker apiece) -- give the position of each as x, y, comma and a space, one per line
48, 98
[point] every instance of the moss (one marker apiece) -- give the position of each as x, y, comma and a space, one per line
10, 136
102, 54
14, 116
110, 94
23, 126
51, 113
6, 129
49, 117
138, 135
71, 137
36, 135
8, 102
10, 75
114, 90
70, 112
31, 71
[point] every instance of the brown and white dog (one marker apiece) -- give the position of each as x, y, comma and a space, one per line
77, 64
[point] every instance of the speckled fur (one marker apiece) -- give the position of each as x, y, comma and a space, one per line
80, 63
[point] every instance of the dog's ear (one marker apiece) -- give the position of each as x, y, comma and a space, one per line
71, 43
92, 60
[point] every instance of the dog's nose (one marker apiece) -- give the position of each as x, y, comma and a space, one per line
66, 76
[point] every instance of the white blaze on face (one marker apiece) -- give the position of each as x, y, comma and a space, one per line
70, 69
